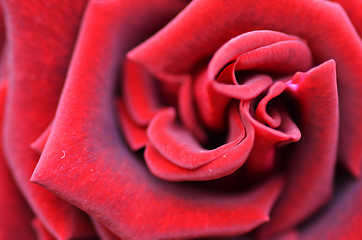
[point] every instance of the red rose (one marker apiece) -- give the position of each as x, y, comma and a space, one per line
165, 119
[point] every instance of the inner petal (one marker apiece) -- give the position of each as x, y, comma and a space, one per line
261, 114
263, 156
139, 93
232, 157
177, 144
187, 111
285, 57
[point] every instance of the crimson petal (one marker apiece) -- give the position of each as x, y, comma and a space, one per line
103, 232
15, 214
353, 9
262, 157
39, 144
282, 57
261, 113
38, 73
139, 93
311, 166
253, 46
188, 113
208, 164
179, 146
41, 232
342, 219
135, 135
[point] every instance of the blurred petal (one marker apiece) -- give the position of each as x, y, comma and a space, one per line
103, 232
39, 144
15, 214
342, 219
289, 235
41, 232
354, 11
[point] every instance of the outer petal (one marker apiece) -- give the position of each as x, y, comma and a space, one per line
41, 232
103, 232
311, 165
15, 214
289, 235
36, 76
354, 11
98, 173
343, 217
197, 33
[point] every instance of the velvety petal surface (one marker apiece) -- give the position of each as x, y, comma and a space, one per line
354, 11
103, 232
311, 165
15, 220
41, 232
35, 80
139, 93
342, 219
178, 145
187, 160
135, 135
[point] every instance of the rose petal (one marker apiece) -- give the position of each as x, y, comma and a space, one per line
135, 135
263, 155
285, 57
139, 93
15, 214
177, 144
353, 9
324, 25
39, 144
342, 219
209, 164
41, 232
261, 47
35, 83
289, 235
250, 89
312, 163
188, 113
211, 105
260, 112
103, 232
